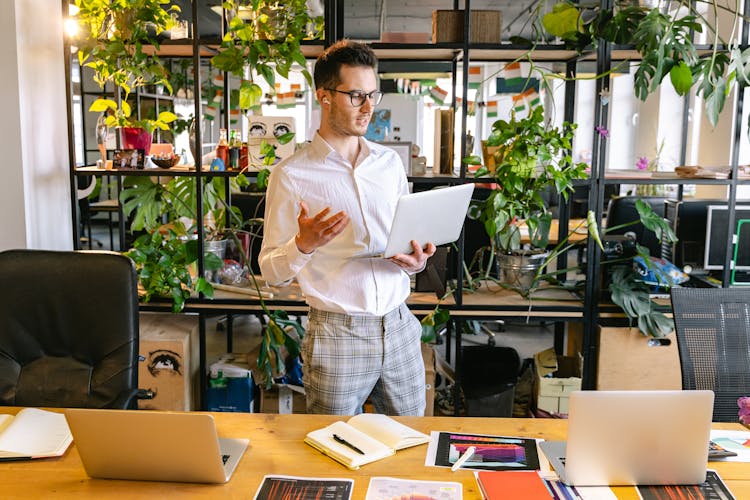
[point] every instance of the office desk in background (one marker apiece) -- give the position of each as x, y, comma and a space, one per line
577, 231
276, 447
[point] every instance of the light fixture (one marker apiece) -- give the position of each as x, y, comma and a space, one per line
71, 27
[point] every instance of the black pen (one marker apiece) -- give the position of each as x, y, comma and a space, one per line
343, 441
14, 459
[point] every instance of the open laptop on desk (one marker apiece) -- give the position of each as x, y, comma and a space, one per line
153, 446
634, 438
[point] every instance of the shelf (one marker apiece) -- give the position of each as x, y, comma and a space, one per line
489, 300
161, 97
209, 48
153, 172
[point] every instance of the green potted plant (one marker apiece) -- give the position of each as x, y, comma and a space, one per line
264, 36
530, 157
113, 37
168, 248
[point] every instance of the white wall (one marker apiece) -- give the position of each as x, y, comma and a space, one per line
35, 205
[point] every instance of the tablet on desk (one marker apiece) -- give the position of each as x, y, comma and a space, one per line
434, 216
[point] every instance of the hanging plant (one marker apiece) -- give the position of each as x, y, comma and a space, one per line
113, 41
113, 36
264, 36
664, 42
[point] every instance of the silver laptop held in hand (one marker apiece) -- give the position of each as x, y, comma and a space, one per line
634, 438
153, 446
434, 216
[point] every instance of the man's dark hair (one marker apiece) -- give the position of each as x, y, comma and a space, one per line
341, 53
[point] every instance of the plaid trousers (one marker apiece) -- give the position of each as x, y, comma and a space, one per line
348, 358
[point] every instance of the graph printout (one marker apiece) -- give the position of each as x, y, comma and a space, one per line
304, 488
492, 452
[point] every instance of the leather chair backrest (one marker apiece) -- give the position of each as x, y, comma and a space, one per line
68, 328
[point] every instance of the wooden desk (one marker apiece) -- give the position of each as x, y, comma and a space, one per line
577, 230
276, 447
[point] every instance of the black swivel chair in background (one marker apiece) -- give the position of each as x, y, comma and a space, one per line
68, 329
712, 327
252, 206
622, 210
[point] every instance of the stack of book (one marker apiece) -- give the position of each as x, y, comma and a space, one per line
700, 172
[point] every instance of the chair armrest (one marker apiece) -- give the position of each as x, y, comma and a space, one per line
126, 400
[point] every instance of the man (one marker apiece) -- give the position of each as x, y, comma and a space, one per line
328, 205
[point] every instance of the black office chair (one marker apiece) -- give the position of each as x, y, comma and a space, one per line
488, 379
252, 206
68, 329
622, 210
713, 338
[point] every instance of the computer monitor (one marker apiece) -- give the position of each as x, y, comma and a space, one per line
717, 237
687, 218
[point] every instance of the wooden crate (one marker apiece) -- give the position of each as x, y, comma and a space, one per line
168, 348
448, 26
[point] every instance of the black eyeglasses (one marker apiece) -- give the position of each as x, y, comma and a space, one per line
357, 97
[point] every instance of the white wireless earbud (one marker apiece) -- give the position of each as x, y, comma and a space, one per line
325, 100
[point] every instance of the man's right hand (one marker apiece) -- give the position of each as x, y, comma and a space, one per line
316, 231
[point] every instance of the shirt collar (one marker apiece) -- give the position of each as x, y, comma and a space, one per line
322, 149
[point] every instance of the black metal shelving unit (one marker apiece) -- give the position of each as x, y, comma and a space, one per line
459, 55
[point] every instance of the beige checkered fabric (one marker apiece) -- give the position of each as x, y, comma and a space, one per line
348, 358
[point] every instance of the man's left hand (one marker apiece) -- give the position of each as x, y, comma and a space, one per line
414, 262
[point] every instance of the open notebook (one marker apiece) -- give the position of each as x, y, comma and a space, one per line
364, 438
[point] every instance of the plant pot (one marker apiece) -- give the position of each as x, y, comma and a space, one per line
488, 155
136, 138
519, 270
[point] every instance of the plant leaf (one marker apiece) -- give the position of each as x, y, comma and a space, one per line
681, 77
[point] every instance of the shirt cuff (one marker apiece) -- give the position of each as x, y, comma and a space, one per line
412, 273
297, 260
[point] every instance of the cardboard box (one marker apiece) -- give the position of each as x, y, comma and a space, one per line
168, 361
428, 356
280, 398
629, 360
230, 385
283, 398
448, 26
553, 392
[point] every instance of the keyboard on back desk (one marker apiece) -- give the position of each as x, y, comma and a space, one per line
697, 282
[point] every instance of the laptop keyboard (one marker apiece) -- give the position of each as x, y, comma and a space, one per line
224, 459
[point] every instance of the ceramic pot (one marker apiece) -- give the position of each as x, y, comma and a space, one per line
136, 138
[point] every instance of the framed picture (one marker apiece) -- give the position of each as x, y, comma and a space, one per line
403, 149
128, 158
268, 129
